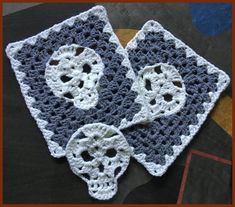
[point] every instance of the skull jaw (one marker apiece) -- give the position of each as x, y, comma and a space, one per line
102, 189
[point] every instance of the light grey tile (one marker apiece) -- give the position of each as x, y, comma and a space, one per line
9, 8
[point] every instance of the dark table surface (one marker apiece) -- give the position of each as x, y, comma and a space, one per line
31, 175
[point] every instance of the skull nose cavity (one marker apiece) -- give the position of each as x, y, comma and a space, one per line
167, 97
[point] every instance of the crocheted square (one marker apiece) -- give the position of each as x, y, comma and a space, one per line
180, 88
76, 73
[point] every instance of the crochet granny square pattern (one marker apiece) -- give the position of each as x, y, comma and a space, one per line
98, 104
76, 73
180, 88
80, 88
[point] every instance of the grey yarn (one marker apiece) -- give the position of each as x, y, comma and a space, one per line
99, 138
156, 140
116, 100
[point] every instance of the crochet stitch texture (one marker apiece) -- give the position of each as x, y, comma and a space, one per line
77, 76
98, 104
157, 144
106, 154
119, 103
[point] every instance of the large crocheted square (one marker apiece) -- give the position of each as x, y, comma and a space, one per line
180, 88
76, 73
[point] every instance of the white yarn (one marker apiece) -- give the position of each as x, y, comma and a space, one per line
223, 81
99, 138
100, 155
76, 76
163, 88
12, 48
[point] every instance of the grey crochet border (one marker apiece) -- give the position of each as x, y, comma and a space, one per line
223, 81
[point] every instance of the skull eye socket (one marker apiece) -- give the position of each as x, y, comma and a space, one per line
86, 156
111, 153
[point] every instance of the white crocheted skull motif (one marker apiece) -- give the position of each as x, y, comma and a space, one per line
163, 89
73, 73
99, 154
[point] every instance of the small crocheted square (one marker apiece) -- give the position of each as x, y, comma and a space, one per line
76, 73
180, 88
